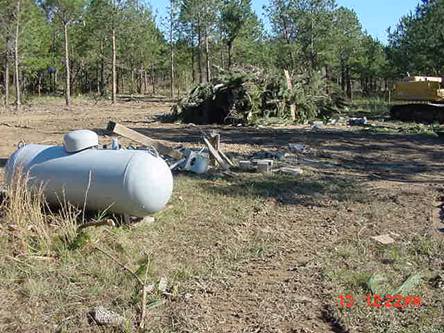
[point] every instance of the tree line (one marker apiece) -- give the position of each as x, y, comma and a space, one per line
111, 47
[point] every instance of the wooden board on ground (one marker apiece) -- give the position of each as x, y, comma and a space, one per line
216, 155
225, 157
143, 139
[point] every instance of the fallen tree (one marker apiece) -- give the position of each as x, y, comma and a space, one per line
245, 95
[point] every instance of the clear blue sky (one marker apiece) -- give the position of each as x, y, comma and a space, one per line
375, 15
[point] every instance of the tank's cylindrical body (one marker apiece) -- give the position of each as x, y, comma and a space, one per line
121, 181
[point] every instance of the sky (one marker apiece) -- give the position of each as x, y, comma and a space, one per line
375, 15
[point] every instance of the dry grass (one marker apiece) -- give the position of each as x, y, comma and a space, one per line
250, 253
231, 249
25, 221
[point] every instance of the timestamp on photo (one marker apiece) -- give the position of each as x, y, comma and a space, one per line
349, 301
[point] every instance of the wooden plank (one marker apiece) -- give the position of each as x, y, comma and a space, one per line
216, 155
215, 142
143, 139
225, 157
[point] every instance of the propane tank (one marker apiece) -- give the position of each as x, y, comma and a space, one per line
134, 182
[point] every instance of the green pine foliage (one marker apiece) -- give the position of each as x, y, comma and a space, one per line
323, 46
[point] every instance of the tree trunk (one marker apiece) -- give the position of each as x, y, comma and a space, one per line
132, 81
39, 84
145, 82
122, 75
222, 58
98, 78
312, 52
102, 84
207, 57
6, 78
153, 79
199, 52
327, 79
290, 88
114, 73
141, 80
118, 79
16, 58
230, 50
171, 50
343, 76
67, 69
193, 70
349, 83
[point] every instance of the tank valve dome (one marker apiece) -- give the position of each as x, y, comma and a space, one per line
76, 141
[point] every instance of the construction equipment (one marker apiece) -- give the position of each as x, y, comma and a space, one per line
424, 96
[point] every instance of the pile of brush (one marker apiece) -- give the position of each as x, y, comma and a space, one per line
244, 95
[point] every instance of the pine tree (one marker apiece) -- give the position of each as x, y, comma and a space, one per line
66, 13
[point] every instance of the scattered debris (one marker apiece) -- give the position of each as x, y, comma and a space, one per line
280, 156
378, 284
163, 285
143, 139
216, 155
225, 157
409, 285
115, 144
317, 125
214, 139
295, 171
264, 166
358, 121
298, 148
384, 239
107, 222
337, 121
246, 165
150, 288
104, 317
196, 162
148, 220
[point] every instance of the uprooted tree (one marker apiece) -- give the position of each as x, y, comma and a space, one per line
248, 94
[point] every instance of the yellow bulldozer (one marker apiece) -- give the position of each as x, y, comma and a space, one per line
423, 99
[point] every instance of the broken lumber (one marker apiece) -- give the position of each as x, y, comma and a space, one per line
225, 157
216, 155
215, 142
143, 139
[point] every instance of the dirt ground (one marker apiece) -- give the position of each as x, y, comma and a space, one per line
256, 253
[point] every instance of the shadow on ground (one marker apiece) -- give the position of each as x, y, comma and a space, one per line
398, 157
306, 191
